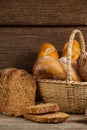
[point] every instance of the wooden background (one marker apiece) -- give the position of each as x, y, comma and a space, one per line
26, 24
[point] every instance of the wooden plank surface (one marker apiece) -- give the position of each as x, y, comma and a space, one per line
75, 122
39, 12
19, 46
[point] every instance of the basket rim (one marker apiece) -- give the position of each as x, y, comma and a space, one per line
53, 81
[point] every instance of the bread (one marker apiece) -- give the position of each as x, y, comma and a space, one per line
4, 75
74, 66
75, 50
49, 68
18, 93
48, 49
56, 117
82, 65
41, 108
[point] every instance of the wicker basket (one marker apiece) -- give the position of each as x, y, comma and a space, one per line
71, 96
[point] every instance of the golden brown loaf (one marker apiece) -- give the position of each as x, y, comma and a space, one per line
55, 117
75, 50
49, 68
48, 49
17, 92
41, 108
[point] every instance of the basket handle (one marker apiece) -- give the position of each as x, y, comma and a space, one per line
82, 45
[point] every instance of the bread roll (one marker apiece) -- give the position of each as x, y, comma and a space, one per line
48, 49
75, 50
49, 68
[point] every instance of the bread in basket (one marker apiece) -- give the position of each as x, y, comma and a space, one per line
70, 95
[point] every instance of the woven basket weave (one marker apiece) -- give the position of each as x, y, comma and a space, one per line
71, 96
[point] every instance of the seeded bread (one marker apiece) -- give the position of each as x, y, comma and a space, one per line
41, 108
19, 92
56, 117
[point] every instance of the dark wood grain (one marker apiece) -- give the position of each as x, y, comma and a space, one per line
19, 46
39, 12
75, 122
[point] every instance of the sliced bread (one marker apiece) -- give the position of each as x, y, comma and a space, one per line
41, 108
19, 92
56, 117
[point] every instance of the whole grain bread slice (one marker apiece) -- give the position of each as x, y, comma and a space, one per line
4, 76
41, 108
56, 117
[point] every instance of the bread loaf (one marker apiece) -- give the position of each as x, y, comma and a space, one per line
49, 68
82, 66
41, 108
18, 91
48, 49
75, 71
56, 117
76, 50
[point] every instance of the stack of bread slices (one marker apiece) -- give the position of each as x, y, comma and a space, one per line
45, 113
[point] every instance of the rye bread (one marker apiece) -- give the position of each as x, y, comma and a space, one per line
20, 92
56, 117
41, 108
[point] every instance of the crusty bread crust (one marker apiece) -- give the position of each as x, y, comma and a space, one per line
19, 93
56, 117
41, 108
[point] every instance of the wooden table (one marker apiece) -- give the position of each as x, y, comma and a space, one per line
75, 122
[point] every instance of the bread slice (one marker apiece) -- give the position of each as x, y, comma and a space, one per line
4, 76
19, 93
56, 117
41, 108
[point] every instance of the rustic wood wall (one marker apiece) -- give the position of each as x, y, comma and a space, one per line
26, 24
